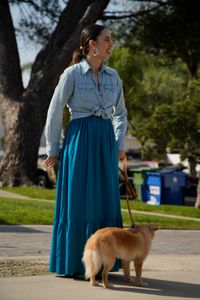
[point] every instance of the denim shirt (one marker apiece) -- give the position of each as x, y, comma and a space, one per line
78, 90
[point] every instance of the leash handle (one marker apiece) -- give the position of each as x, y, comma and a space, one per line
124, 174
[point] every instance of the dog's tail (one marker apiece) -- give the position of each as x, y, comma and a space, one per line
92, 261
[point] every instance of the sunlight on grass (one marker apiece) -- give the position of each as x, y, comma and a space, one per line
161, 222
49, 194
33, 192
13, 211
16, 211
166, 209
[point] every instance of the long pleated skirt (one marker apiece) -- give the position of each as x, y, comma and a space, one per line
87, 197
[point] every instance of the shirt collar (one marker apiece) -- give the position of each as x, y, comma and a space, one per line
85, 67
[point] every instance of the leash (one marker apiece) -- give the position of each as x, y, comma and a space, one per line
130, 191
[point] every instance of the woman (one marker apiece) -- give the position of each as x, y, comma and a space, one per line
87, 195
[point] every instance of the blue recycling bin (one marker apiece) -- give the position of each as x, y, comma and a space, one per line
165, 187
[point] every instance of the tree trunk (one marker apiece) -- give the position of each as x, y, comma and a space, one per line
24, 111
197, 203
21, 145
192, 165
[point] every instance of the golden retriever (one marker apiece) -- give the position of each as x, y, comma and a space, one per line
107, 244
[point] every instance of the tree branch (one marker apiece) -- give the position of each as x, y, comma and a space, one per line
93, 13
129, 15
38, 8
68, 20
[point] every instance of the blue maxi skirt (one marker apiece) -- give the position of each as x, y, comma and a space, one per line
87, 197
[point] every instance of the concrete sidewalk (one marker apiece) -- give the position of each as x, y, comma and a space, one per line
162, 285
34, 240
172, 269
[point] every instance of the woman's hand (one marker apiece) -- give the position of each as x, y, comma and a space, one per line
121, 154
51, 161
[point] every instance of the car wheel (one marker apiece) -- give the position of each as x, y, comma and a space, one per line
42, 181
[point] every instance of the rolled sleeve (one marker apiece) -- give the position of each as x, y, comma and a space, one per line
61, 96
120, 117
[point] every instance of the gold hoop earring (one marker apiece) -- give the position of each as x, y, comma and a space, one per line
95, 51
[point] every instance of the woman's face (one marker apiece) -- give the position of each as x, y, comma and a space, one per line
104, 44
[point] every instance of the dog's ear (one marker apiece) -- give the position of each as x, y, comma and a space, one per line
153, 227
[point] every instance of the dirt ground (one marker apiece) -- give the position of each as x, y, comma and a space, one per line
23, 267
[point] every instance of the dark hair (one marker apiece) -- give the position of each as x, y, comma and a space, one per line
90, 32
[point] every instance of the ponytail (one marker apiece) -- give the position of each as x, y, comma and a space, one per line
78, 55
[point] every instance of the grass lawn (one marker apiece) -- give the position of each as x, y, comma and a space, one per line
49, 194
32, 192
161, 222
177, 210
16, 211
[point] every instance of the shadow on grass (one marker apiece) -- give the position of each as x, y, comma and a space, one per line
3, 222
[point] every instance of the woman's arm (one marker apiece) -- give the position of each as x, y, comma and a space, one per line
61, 96
120, 119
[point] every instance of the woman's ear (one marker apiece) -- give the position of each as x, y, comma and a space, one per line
92, 43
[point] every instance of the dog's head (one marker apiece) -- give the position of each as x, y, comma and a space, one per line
151, 228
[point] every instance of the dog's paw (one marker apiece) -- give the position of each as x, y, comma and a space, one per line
94, 283
142, 284
107, 286
130, 280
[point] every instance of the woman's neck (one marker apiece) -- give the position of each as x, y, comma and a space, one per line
94, 62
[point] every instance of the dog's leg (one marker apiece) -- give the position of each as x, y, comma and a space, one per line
93, 281
138, 271
105, 283
106, 268
126, 268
